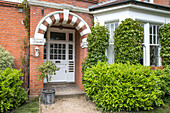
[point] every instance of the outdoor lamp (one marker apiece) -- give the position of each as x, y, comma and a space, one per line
36, 52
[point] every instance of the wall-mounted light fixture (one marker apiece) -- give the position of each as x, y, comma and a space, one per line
36, 51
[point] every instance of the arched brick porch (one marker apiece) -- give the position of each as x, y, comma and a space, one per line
64, 17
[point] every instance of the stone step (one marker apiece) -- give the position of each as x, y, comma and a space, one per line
66, 89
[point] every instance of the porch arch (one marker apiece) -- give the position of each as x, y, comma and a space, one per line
64, 17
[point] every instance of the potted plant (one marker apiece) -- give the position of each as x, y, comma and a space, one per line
46, 70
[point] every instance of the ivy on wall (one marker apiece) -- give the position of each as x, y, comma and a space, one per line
164, 33
128, 41
25, 42
98, 42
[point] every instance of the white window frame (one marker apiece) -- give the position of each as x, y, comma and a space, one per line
111, 40
146, 47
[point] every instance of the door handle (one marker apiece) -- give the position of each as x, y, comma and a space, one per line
65, 71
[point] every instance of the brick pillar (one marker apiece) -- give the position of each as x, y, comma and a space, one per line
83, 55
36, 85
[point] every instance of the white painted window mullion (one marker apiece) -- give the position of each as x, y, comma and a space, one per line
147, 44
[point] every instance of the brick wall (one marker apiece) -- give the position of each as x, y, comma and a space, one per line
162, 2
12, 31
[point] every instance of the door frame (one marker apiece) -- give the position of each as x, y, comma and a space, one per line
67, 42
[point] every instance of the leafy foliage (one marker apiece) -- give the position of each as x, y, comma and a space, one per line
122, 87
6, 60
164, 34
164, 76
128, 40
98, 42
47, 69
11, 94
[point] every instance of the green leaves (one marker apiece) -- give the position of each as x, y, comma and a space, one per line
123, 87
47, 69
11, 94
98, 42
164, 34
128, 41
6, 60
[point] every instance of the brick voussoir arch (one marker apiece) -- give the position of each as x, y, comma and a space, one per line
64, 17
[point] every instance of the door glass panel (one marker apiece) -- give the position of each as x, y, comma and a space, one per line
57, 36
70, 51
58, 51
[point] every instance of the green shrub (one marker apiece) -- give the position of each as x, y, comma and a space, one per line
164, 34
11, 94
122, 87
98, 42
128, 41
6, 60
164, 76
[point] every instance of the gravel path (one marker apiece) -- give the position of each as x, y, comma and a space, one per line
70, 105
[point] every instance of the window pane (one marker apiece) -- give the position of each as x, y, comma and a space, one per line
150, 28
110, 54
154, 55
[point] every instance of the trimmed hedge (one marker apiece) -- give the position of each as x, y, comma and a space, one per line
123, 87
11, 94
164, 34
128, 41
98, 42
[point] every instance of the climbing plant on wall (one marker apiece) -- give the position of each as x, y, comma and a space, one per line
25, 41
128, 41
164, 34
98, 42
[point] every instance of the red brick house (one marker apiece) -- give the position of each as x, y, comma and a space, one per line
59, 29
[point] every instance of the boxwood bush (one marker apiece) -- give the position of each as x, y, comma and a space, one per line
11, 94
122, 87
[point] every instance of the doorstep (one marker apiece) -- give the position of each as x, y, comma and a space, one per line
66, 89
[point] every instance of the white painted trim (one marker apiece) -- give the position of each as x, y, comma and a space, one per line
73, 21
58, 6
84, 43
49, 21
149, 21
66, 14
57, 18
81, 24
38, 35
130, 6
15, 1
147, 46
43, 27
86, 31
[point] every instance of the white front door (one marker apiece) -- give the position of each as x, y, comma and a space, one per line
60, 50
